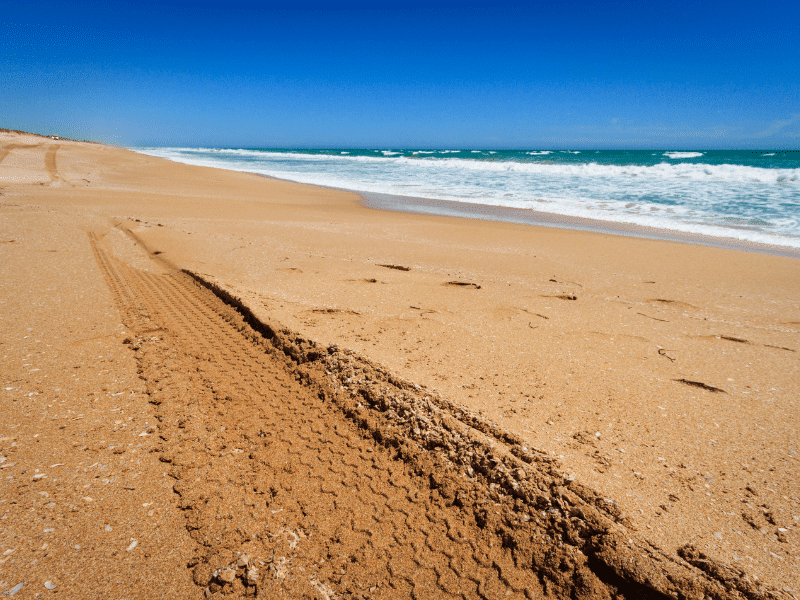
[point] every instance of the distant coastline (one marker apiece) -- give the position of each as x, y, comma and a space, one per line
49, 137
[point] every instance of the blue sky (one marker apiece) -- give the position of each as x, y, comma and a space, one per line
417, 74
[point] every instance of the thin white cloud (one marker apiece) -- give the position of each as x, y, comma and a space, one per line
778, 126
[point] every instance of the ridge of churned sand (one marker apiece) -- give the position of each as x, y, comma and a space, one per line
660, 376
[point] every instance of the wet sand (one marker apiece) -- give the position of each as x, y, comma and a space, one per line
661, 375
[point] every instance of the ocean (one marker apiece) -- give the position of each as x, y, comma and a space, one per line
750, 196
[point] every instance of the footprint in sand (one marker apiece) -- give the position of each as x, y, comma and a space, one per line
333, 311
675, 303
562, 296
466, 284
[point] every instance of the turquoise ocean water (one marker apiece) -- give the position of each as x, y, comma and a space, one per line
752, 196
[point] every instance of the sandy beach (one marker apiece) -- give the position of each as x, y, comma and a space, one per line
191, 357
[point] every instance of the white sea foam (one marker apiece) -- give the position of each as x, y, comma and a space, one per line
677, 155
541, 153
770, 154
345, 153
452, 166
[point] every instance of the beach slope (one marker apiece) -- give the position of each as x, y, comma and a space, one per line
233, 383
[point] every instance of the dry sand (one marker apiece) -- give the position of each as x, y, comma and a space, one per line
663, 376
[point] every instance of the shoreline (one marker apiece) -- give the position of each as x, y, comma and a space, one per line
525, 216
536, 218
529, 216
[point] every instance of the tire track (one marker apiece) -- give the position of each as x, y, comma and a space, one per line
50, 163
5, 150
308, 472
